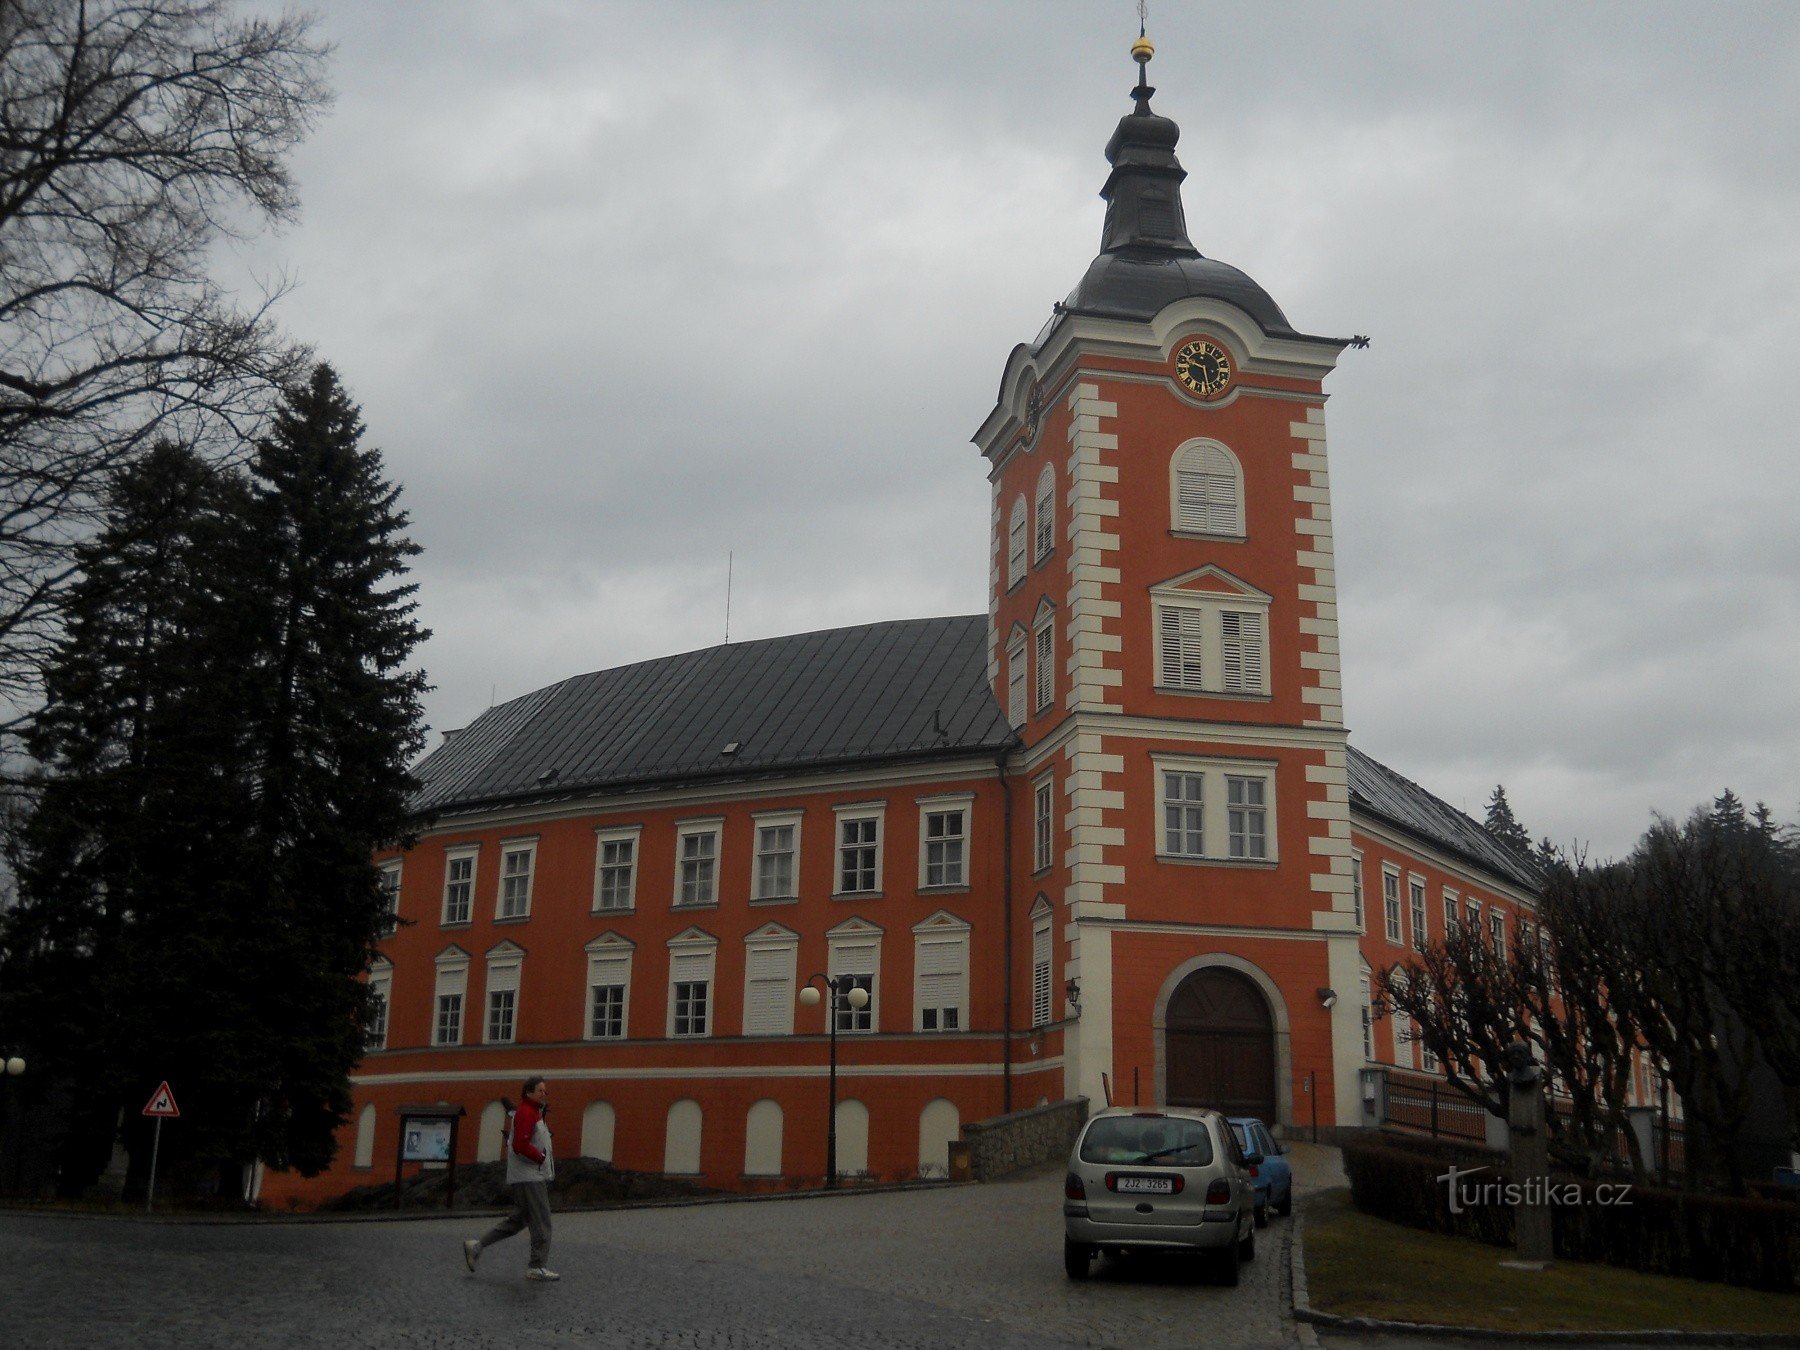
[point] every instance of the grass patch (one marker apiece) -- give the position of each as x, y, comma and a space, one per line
1361, 1266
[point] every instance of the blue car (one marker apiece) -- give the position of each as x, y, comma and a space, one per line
1274, 1178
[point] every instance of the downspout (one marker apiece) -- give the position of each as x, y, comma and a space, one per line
1006, 888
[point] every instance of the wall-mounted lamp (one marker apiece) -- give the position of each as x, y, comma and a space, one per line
1327, 997
1072, 996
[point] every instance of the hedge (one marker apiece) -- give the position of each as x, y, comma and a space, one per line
1726, 1239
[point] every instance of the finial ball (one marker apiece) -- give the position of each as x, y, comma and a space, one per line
1142, 50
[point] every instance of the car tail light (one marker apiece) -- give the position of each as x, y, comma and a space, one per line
1073, 1189
1253, 1172
1219, 1192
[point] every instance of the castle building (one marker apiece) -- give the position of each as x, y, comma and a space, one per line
1108, 840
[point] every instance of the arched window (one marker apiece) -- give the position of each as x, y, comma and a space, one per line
939, 1123
1015, 544
681, 1141
490, 1134
762, 1140
852, 1138
365, 1138
1206, 490
1044, 533
598, 1124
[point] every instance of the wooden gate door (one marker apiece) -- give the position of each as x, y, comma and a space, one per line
1220, 1045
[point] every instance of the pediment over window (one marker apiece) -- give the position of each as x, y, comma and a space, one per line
1212, 582
773, 932
504, 951
611, 940
854, 927
693, 937
451, 955
1042, 907
1017, 635
1045, 611
942, 922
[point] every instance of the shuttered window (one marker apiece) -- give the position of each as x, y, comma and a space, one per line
690, 990
1044, 535
1015, 545
1181, 633
1207, 491
452, 983
502, 1001
769, 990
1015, 684
942, 967
1040, 972
1241, 651
609, 976
857, 960
1046, 665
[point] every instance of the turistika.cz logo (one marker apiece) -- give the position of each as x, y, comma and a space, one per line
1466, 1195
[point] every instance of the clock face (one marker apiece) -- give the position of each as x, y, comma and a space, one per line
1203, 368
1034, 410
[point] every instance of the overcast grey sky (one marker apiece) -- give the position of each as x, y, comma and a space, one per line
626, 287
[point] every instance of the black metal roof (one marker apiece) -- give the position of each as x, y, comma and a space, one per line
1379, 791
1147, 262
909, 689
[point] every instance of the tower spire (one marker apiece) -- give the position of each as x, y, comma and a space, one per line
1143, 193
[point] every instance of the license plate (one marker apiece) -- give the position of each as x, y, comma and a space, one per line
1147, 1185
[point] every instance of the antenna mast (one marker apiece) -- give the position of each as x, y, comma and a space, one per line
729, 559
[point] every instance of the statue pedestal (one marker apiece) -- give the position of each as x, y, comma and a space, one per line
1532, 1235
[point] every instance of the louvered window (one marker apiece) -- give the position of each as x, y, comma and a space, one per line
942, 967
1044, 535
1015, 545
1241, 651
769, 990
1208, 491
1182, 633
1015, 685
1040, 973
1046, 665
1042, 823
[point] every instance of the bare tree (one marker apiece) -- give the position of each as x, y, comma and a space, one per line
134, 136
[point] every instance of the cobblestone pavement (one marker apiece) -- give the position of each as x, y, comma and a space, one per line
962, 1266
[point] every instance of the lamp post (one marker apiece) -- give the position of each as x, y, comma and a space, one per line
843, 990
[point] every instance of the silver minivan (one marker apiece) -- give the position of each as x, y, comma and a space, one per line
1166, 1178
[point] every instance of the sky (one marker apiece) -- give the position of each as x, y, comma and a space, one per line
638, 295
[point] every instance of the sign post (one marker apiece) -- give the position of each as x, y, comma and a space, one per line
161, 1106
428, 1135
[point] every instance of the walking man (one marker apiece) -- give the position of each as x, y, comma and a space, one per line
529, 1170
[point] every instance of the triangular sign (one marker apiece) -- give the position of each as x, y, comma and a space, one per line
163, 1103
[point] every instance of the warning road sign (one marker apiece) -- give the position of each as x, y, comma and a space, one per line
163, 1103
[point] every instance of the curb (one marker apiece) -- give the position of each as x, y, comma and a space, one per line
1307, 1318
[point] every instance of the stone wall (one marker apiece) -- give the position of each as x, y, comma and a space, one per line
1002, 1145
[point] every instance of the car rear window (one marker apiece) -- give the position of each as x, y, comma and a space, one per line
1134, 1141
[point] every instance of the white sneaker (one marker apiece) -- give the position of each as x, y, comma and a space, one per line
471, 1252
539, 1273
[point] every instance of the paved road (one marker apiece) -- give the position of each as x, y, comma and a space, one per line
963, 1266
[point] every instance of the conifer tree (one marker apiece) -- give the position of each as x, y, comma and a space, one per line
1504, 826
332, 723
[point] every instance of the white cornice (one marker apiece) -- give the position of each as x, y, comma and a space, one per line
1470, 874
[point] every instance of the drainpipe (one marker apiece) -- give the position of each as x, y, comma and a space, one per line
1006, 889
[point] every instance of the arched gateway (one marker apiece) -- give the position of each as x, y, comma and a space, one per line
1220, 1045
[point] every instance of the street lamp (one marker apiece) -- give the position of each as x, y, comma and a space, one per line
843, 990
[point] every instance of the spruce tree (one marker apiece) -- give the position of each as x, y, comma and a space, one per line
1504, 826
332, 724
105, 954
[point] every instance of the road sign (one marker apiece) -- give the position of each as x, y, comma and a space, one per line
163, 1103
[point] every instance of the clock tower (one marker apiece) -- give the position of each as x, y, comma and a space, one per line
1163, 636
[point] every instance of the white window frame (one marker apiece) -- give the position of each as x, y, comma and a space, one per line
1356, 890
854, 948
1247, 806
1390, 903
1043, 822
844, 815
454, 855
1368, 1020
389, 881
1041, 987
505, 976
1452, 913
956, 877
941, 974
1415, 897
512, 903
1214, 808
771, 967
381, 990
706, 895
616, 899
609, 966
774, 821
1043, 654
1212, 505
452, 980
1015, 543
693, 960
1017, 680
1472, 912
1497, 931
1195, 650
1043, 534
